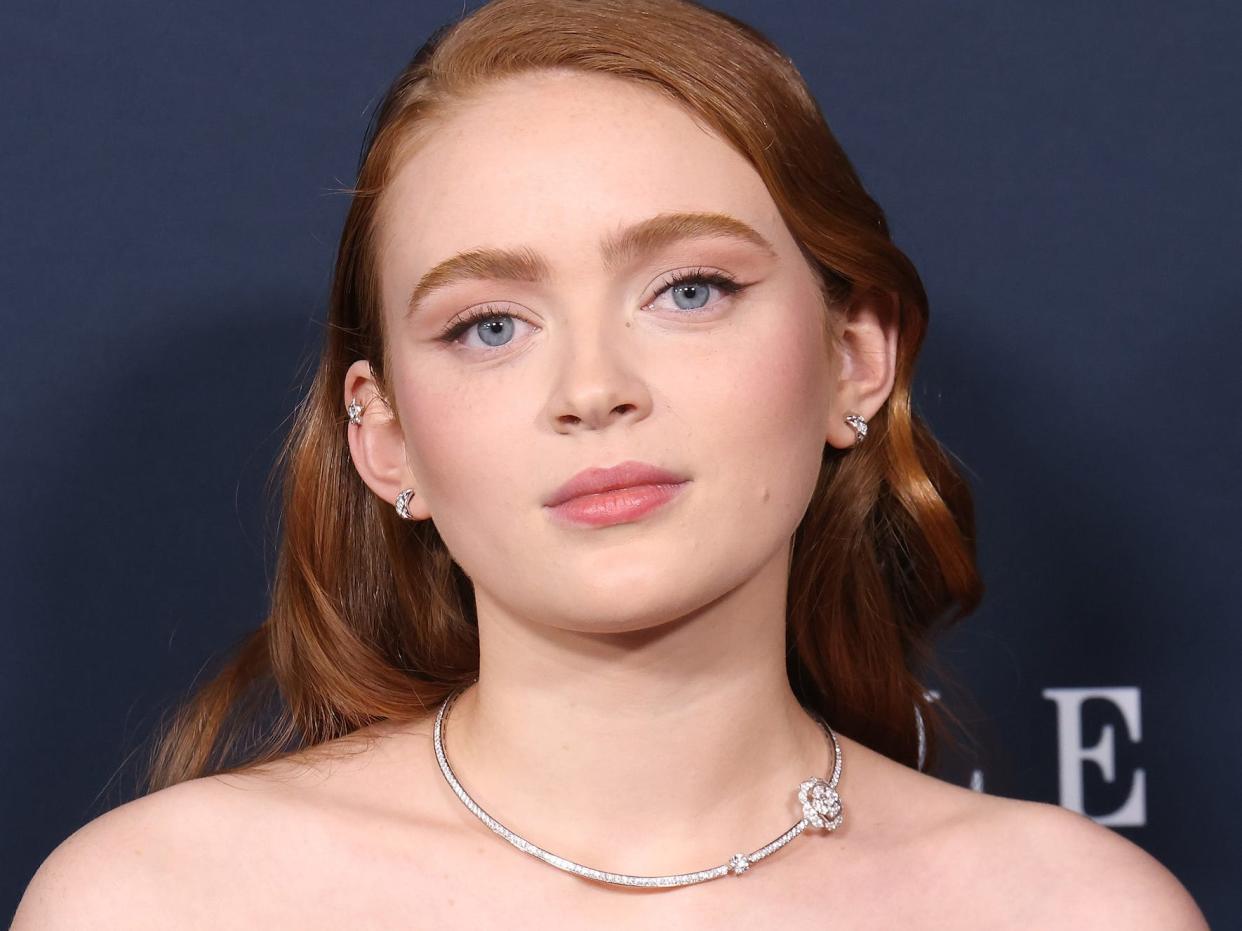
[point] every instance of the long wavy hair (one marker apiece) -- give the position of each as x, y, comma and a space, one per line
371, 618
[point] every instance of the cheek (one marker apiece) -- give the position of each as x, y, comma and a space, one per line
758, 413
465, 444
765, 402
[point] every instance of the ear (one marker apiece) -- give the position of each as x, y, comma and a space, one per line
377, 446
867, 347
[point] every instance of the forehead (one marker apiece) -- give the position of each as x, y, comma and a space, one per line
558, 162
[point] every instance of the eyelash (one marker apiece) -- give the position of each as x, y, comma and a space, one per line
722, 281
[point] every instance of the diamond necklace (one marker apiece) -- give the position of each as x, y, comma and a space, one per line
821, 808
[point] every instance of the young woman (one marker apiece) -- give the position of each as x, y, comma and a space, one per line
612, 548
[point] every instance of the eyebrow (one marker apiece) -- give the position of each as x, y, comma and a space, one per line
617, 249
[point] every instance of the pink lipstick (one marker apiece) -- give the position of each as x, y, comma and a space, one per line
623, 493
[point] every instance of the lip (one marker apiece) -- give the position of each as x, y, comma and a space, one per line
629, 474
620, 506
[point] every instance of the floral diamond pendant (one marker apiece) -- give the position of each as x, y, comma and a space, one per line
821, 806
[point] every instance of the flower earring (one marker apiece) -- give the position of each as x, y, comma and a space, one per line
859, 423
355, 412
403, 501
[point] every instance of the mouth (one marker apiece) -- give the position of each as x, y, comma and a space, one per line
626, 475
617, 506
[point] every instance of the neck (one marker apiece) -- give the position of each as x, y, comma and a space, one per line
658, 750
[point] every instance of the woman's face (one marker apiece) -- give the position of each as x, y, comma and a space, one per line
598, 360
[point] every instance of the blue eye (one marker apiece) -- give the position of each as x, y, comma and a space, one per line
480, 315
690, 286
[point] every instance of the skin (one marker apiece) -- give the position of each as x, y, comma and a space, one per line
633, 711
649, 656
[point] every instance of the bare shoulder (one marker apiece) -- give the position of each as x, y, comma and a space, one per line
170, 858
1005, 863
115, 870
1053, 867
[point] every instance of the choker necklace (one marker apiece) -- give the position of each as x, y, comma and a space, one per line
821, 808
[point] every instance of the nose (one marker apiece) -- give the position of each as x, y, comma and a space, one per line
597, 379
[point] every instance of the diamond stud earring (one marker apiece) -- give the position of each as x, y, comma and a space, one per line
403, 501
355, 411
859, 423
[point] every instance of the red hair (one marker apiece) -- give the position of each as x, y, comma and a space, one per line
371, 618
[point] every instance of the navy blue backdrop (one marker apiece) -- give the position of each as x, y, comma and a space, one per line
1065, 176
